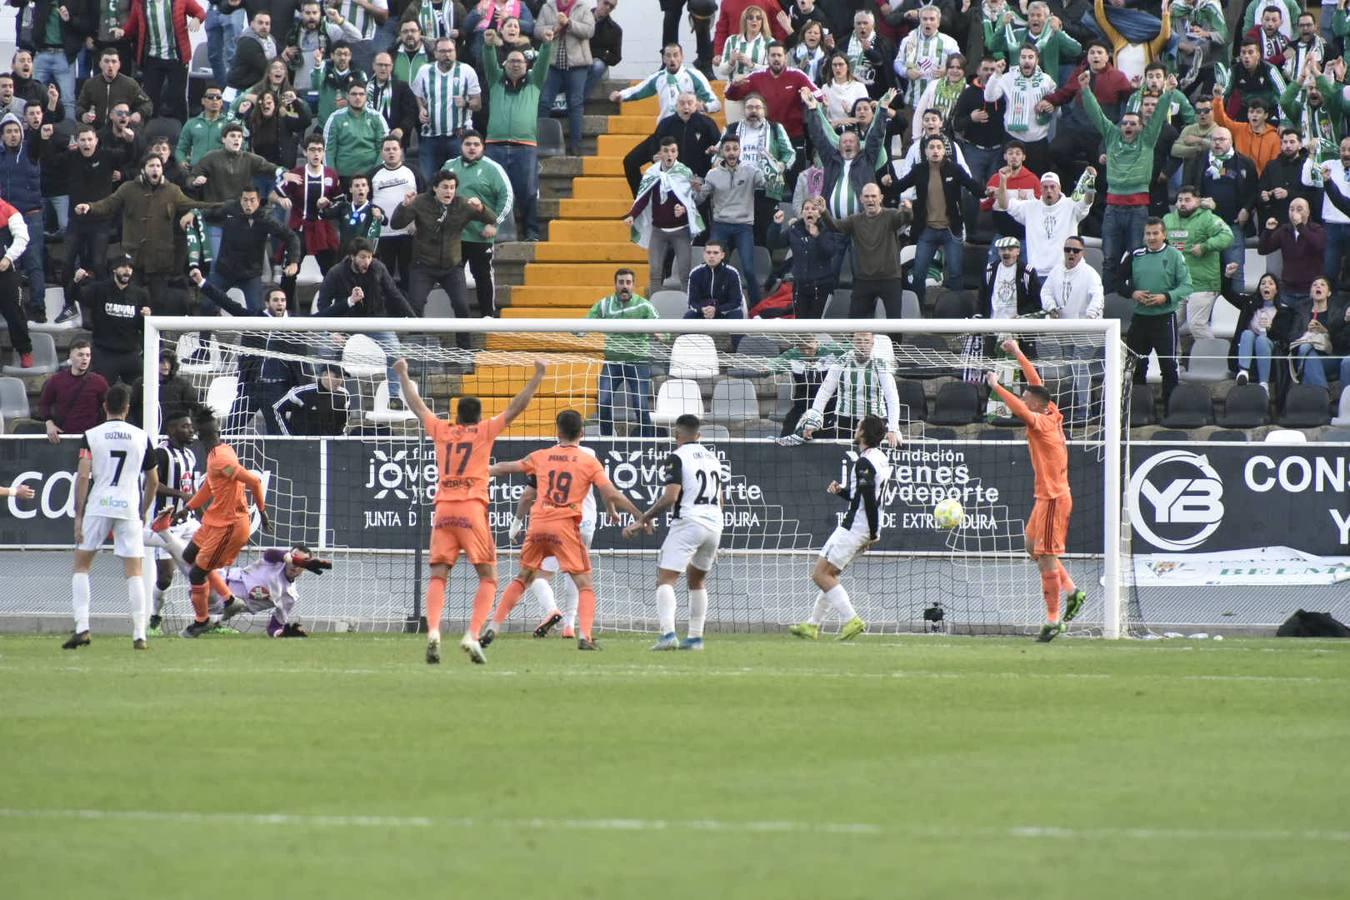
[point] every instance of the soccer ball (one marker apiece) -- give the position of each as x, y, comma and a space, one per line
948, 513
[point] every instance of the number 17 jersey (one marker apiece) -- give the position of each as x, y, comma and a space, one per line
463, 453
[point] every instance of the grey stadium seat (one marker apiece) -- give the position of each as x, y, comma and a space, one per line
45, 361
734, 400
957, 403
551, 138
1142, 404
913, 401
753, 356
1306, 406
1246, 406
13, 399
1208, 361
670, 304
1336, 435
1189, 407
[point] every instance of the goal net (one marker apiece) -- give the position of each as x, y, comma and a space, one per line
351, 474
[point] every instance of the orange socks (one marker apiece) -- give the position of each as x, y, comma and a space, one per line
1065, 582
201, 604
1050, 590
482, 603
585, 611
435, 604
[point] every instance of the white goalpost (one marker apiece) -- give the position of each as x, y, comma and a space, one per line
363, 497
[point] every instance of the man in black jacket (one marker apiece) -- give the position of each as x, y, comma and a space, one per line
60, 28
254, 49
114, 313
937, 215
318, 409
870, 52
244, 231
979, 125
715, 290
392, 99
90, 176
694, 133
858, 158
1010, 288
361, 287
606, 42
265, 374
1282, 180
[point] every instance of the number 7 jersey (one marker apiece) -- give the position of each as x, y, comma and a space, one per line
463, 453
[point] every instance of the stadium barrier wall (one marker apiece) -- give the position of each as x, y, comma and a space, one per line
359, 495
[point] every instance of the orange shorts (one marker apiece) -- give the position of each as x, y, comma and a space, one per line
461, 525
1048, 526
560, 539
219, 545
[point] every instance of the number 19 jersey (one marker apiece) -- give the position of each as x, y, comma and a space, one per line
463, 453
563, 477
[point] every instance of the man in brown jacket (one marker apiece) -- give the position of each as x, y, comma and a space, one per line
149, 206
108, 88
440, 217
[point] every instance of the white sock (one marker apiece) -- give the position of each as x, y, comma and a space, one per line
79, 599
542, 592
698, 611
570, 598
665, 608
818, 613
136, 594
837, 597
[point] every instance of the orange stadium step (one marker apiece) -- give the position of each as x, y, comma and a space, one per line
577, 274
591, 345
544, 312
603, 165
560, 297
594, 209
619, 144
565, 232
563, 379
600, 251
592, 188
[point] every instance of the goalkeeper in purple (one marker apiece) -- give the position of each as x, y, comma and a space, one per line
269, 583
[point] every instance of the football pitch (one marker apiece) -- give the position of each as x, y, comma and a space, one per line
342, 767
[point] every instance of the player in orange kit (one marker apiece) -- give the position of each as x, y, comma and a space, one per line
563, 476
226, 524
463, 451
1049, 523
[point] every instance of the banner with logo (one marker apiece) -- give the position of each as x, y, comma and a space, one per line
1221, 498
375, 494
1263, 566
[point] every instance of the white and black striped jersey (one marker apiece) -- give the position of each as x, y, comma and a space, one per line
699, 474
865, 474
177, 470
118, 453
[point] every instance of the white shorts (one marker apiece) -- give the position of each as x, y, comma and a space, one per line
689, 543
128, 535
550, 564
843, 547
183, 531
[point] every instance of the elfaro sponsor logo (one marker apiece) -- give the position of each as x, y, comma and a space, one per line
1185, 496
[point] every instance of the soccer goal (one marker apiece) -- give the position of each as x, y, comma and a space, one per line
363, 493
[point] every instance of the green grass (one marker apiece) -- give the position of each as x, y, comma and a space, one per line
765, 767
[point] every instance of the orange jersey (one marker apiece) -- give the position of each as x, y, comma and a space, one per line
1045, 438
463, 453
563, 476
226, 490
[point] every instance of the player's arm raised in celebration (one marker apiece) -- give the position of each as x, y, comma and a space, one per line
411, 396
1012, 348
522, 400
1015, 404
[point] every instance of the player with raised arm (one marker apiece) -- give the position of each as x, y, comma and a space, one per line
1049, 523
109, 498
541, 589
563, 475
868, 472
226, 525
176, 463
463, 452
269, 583
692, 476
